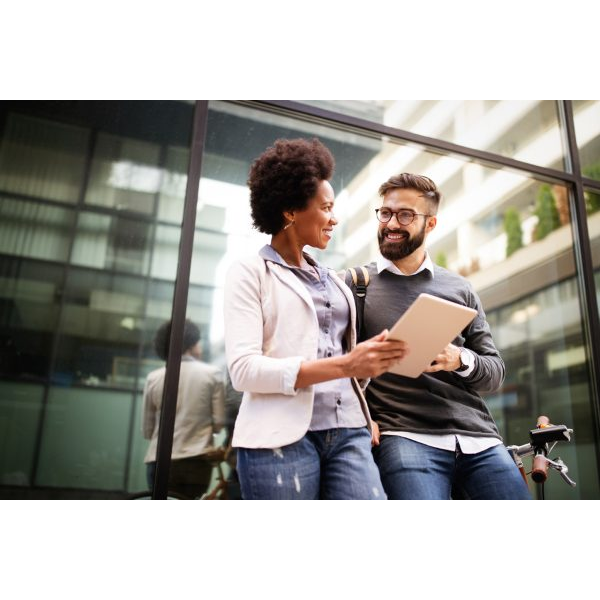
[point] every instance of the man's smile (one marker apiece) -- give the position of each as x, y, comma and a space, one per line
395, 236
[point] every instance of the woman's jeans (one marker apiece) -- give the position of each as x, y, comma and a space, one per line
334, 464
414, 471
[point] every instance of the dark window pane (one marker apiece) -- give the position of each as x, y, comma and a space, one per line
20, 408
84, 442
125, 174
112, 243
30, 294
101, 330
43, 159
35, 230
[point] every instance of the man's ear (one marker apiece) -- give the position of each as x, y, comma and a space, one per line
431, 223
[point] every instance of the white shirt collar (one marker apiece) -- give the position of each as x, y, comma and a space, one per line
385, 264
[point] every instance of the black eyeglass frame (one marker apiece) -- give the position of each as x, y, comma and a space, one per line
397, 213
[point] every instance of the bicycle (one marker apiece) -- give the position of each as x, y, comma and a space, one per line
544, 434
217, 457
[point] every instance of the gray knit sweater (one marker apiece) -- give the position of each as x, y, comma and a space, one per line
441, 402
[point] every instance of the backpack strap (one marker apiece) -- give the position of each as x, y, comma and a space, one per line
360, 278
357, 279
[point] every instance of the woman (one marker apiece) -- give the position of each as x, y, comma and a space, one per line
303, 430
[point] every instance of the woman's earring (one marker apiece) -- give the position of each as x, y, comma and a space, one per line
289, 225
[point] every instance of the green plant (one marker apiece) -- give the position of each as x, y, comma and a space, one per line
513, 229
592, 199
546, 212
441, 259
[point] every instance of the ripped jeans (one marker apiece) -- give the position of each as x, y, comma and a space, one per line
333, 464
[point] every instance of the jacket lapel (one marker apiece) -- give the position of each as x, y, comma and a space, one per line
289, 279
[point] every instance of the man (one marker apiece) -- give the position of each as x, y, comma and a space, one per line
437, 437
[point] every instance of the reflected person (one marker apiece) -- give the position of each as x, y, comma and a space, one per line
200, 413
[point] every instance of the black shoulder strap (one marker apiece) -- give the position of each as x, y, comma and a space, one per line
357, 279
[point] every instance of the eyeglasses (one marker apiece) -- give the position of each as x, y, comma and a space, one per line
404, 216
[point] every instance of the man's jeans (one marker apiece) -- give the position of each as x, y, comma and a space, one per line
414, 471
334, 464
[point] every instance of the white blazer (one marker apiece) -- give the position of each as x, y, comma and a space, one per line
271, 327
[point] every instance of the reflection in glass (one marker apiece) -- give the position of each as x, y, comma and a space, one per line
35, 230
158, 307
112, 242
95, 423
485, 225
592, 199
210, 245
173, 183
592, 202
124, 174
546, 358
76, 301
42, 159
587, 129
20, 408
136, 479
526, 130
205, 311
100, 330
30, 293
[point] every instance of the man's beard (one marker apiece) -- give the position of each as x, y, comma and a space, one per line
401, 249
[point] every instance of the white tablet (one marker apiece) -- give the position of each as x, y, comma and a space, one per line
428, 326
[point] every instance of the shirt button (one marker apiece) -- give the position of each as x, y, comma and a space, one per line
326, 330
328, 304
338, 402
329, 354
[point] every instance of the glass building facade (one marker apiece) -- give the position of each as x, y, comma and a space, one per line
116, 216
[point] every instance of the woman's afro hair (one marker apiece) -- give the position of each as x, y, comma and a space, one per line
284, 178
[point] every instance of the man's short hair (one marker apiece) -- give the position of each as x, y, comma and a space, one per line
413, 182
191, 336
